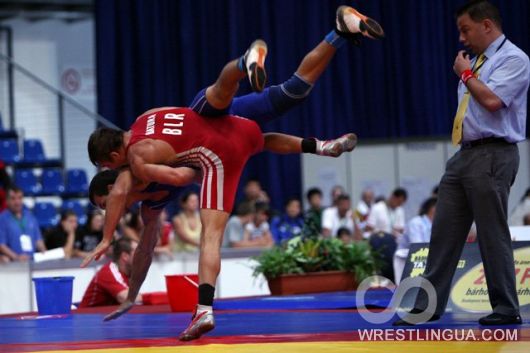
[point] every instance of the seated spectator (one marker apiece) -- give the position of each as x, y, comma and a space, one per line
254, 193
110, 285
187, 223
418, 230
336, 191
313, 216
20, 235
363, 210
388, 216
290, 224
63, 236
345, 235
522, 209
257, 232
89, 236
339, 216
365, 204
235, 228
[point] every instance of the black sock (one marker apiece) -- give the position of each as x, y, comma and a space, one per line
206, 294
309, 145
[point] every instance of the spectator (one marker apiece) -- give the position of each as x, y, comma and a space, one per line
254, 193
110, 285
365, 204
363, 210
289, 224
235, 228
336, 191
339, 216
388, 216
187, 223
418, 230
89, 236
257, 232
313, 216
19, 231
345, 235
63, 236
523, 208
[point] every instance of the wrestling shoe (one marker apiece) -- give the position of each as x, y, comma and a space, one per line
255, 65
351, 22
201, 322
336, 147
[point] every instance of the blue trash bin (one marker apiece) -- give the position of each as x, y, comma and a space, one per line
54, 294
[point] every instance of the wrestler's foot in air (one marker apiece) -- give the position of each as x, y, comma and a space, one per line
351, 23
201, 323
255, 65
122, 309
336, 147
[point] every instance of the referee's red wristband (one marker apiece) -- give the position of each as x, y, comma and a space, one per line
466, 75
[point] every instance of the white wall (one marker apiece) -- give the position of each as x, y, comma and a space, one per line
417, 166
47, 49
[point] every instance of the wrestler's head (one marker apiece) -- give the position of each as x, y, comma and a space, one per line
106, 149
100, 187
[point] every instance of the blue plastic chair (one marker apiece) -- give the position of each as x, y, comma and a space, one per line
76, 182
9, 151
34, 155
33, 151
78, 208
52, 182
46, 214
27, 181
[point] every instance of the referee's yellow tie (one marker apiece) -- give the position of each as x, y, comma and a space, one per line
462, 107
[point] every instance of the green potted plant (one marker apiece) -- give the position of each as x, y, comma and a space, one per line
313, 265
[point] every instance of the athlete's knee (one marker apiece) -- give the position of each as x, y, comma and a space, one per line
203, 106
289, 94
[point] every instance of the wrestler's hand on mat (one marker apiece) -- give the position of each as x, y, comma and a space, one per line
96, 253
462, 63
122, 309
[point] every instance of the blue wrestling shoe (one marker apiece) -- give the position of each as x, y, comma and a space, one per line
255, 65
201, 323
351, 24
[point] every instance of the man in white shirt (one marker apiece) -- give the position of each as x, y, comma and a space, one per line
363, 210
340, 216
388, 216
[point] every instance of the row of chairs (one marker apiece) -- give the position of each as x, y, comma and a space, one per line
34, 155
52, 182
48, 215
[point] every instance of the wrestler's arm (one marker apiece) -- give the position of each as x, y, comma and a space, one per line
115, 208
142, 259
147, 164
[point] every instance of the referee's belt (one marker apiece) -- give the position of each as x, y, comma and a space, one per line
485, 141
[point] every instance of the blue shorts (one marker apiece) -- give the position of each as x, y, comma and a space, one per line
261, 107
